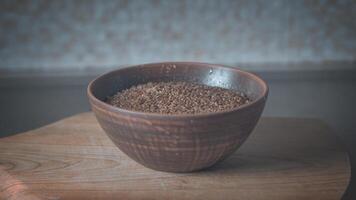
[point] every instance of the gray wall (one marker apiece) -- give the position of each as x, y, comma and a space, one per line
80, 34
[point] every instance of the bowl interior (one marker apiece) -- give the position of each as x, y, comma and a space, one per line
201, 73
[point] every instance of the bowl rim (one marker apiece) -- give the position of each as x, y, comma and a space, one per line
123, 111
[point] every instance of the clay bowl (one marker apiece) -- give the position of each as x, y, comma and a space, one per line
178, 143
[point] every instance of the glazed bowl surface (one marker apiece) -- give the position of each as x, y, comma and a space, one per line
178, 143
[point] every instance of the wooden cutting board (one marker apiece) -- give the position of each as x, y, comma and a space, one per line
284, 158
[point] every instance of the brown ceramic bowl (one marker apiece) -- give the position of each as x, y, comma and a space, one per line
178, 143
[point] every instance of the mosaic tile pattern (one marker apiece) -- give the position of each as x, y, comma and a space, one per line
65, 34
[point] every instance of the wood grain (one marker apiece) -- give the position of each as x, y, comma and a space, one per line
284, 158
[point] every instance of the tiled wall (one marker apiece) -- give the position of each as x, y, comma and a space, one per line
65, 34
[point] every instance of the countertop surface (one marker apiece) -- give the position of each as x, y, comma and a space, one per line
29, 101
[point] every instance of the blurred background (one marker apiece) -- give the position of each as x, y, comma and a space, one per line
50, 50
